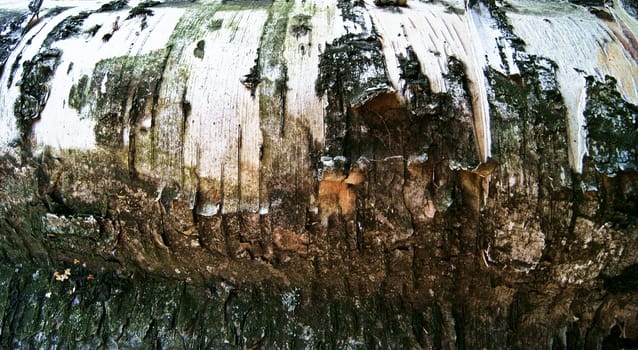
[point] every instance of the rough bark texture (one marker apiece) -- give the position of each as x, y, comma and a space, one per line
378, 225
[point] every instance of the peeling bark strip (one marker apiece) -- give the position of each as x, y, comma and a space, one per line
306, 174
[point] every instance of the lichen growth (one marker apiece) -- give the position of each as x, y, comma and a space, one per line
69, 27
281, 91
281, 83
143, 10
300, 25
93, 30
118, 80
527, 110
113, 6
14, 68
274, 34
247, 3
198, 20
215, 24
351, 10
253, 78
78, 93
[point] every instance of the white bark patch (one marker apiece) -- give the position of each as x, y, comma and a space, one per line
84, 52
435, 33
301, 55
223, 132
580, 44
26, 49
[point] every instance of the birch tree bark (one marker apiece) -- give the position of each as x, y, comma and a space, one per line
318, 174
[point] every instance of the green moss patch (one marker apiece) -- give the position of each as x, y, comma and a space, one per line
215, 24
78, 93
113, 6
121, 78
142, 9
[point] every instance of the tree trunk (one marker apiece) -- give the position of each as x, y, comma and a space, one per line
319, 175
